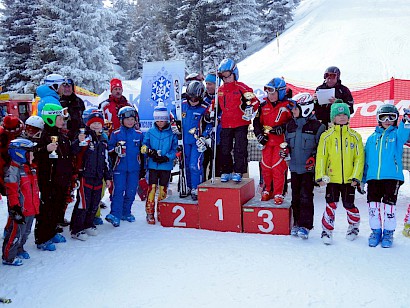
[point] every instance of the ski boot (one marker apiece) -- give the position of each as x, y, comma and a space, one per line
92, 231
150, 219
47, 246
266, 195
303, 233
327, 237
81, 236
406, 230
387, 238
129, 218
352, 232
15, 262
375, 237
278, 199
23, 255
113, 220
225, 177
294, 230
237, 177
58, 238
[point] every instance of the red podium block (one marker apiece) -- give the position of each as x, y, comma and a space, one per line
220, 204
179, 212
266, 217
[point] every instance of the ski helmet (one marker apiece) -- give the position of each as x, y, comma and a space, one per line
54, 81
18, 149
34, 127
277, 84
228, 65
194, 76
87, 112
195, 91
304, 101
387, 111
127, 112
332, 70
50, 112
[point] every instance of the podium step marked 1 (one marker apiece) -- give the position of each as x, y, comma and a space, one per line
226, 207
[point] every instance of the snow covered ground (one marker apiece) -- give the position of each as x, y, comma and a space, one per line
138, 265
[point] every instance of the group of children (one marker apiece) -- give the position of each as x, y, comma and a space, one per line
43, 159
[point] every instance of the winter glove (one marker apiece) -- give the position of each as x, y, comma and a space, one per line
277, 130
152, 153
161, 159
284, 152
262, 139
176, 129
310, 163
356, 183
201, 144
16, 214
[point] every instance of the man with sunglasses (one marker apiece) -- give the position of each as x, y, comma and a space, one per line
237, 102
383, 172
332, 80
75, 106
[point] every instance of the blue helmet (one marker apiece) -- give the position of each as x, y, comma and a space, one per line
277, 84
18, 149
127, 112
228, 65
89, 111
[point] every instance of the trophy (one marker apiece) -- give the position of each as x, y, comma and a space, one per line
84, 142
283, 146
121, 148
53, 154
326, 179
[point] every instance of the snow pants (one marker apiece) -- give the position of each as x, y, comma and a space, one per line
123, 195
239, 163
274, 168
193, 163
302, 199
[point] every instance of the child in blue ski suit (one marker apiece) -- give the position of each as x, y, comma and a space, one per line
383, 173
160, 145
193, 110
94, 167
125, 145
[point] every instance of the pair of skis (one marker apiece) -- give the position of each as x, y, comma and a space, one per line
182, 184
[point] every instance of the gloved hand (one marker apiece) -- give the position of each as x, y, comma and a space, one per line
16, 214
284, 152
175, 128
310, 163
201, 145
152, 153
277, 130
262, 139
160, 159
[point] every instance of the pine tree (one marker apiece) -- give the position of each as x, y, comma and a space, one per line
17, 32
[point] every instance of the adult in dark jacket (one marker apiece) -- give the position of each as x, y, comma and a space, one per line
75, 107
332, 80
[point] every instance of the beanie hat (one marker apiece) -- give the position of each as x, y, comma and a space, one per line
95, 117
211, 78
161, 113
11, 122
338, 107
115, 83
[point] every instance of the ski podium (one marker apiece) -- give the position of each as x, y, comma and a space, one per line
227, 207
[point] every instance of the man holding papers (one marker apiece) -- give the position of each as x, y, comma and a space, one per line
328, 92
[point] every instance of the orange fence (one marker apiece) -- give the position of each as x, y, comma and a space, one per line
368, 98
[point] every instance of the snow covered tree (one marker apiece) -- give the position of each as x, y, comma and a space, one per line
17, 32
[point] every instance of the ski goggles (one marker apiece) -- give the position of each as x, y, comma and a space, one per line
129, 114
330, 75
384, 117
269, 90
224, 73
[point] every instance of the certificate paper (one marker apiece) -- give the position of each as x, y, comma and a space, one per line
323, 95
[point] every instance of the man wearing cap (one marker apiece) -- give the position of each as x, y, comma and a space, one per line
75, 106
332, 80
114, 103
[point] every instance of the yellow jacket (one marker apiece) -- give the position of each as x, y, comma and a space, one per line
340, 155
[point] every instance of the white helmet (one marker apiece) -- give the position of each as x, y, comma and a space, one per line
304, 101
34, 126
54, 80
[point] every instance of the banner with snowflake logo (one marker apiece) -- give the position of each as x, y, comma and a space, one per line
158, 86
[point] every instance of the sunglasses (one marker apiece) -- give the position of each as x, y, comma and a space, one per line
225, 77
269, 90
330, 75
384, 117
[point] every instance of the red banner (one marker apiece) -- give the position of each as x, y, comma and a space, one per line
366, 101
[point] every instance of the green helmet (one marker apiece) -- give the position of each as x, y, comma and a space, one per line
50, 112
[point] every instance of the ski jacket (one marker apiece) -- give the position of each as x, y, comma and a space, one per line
94, 161
192, 117
75, 106
131, 162
165, 141
322, 112
231, 98
302, 136
340, 155
273, 115
47, 96
22, 188
110, 108
58, 171
384, 151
